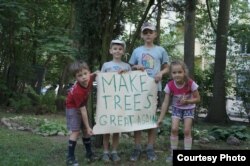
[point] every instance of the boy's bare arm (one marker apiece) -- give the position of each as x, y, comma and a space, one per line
85, 119
165, 70
95, 73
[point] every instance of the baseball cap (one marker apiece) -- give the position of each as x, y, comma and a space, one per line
148, 25
118, 42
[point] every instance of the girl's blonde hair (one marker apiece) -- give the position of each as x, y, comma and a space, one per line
184, 67
77, 66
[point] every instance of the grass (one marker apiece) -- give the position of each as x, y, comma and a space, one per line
22, 148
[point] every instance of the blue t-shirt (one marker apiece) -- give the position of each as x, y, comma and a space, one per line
113, 66
151, 58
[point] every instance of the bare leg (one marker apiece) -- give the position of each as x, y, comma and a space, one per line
137, 136
115, 141
106, 142
187, 133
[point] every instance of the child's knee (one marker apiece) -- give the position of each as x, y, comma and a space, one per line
74, 135
174, 130
187, 132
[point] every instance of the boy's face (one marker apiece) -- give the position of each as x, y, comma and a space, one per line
117, 51
83, 77
148, 35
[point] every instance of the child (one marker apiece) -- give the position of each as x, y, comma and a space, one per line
153, 59
184, 93
76, 112
117, 49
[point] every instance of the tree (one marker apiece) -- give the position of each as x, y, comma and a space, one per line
217, 110
158, 20
189, 36
138, 27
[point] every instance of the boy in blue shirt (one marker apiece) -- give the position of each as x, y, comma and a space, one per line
153, 59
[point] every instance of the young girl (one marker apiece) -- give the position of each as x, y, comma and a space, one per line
184, 93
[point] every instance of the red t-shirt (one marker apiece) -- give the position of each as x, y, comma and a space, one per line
78, 95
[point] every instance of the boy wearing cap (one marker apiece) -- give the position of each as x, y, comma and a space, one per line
117, 50
153, 59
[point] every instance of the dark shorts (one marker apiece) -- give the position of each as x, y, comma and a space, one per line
74, 119
182, 113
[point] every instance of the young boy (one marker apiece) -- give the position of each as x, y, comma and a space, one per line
117, 49
76, 112
153, 59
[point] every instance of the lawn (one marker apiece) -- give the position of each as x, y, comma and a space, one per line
26, 148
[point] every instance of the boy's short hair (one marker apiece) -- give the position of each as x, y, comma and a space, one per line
147, 25
119, 42
77, 66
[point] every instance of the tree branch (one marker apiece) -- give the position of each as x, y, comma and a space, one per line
210, 17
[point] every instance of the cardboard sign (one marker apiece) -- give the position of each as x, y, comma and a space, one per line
125, 102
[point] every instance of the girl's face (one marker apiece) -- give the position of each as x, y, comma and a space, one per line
117, 51
178, 73
83, 77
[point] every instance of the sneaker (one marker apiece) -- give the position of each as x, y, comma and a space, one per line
105, 157
115, 157
135, 155
151, 155
71, 161
91, 157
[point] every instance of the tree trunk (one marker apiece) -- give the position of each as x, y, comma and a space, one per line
158, 19
138, 29
217, 110
189, 36
108, 31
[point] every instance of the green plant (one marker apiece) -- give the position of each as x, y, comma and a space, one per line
205, 78
20, 102
239, 132
43, 103
166, 129
51, 128
47, 102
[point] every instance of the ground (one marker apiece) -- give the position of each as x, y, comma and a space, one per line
27, 148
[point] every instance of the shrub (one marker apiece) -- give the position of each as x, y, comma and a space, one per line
239, 132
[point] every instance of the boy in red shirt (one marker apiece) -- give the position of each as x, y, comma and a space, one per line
76, 112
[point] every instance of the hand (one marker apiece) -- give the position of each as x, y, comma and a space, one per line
159, 123
122, 71
183, 100
138, 67
95, 73
89, 132
158, 77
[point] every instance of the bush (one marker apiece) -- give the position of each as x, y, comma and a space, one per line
31, 101
205, 78
21, 102
51, 128
166, 130
239, 132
